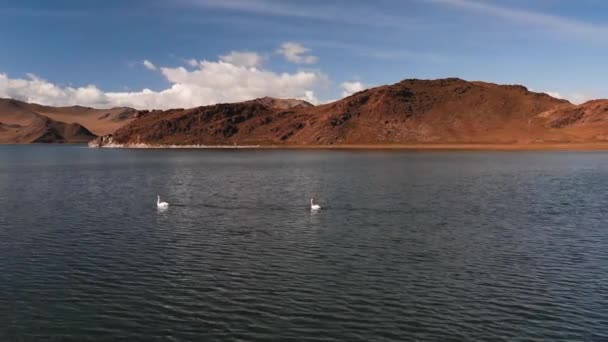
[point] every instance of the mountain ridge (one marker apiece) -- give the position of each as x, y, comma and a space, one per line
409, 112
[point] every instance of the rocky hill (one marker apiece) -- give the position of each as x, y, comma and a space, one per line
412, 111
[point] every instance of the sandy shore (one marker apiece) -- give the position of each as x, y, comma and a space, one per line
470, 147
426, 147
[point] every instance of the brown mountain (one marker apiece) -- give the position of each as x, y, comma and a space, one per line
29, 122
409, 112
19, 124
44, 130
444, 111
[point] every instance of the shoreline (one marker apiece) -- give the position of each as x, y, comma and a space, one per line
394, 147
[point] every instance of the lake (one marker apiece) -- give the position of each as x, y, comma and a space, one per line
409, 246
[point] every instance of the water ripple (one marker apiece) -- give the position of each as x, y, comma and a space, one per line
409, 246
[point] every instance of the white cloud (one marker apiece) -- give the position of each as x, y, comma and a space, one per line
296, 53
548, 21
576, 98
554, 94
192, 62
208, 83
334, 12
329, 12
149, 65
35, 89
349, 88
245, 59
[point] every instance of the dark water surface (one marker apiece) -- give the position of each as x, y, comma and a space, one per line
420, 246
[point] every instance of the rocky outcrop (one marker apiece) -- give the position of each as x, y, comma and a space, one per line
103, 141
282, 103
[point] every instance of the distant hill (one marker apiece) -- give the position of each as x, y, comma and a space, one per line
19, 124
28, 122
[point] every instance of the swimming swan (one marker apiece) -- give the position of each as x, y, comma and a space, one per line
161, 205
313, 206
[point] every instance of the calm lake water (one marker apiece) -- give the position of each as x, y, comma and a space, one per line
420, 246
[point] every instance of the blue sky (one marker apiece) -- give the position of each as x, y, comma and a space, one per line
92, 52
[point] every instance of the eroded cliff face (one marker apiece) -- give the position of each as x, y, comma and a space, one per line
104, 141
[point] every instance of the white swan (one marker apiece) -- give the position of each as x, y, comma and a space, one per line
314, 207
161, 205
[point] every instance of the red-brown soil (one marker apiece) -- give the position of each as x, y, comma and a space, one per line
409, 112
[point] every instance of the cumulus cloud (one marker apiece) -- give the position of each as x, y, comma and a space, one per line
246, 59
149, 65
576, 98
554, 94
297, 53
349, 88
35, 89
237, 76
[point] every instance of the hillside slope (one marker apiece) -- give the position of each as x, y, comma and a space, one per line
411, 111
22, 122
582, 123
99, 121
25, 127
